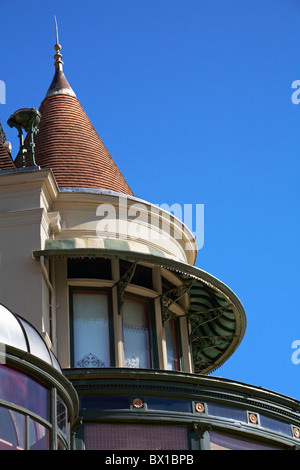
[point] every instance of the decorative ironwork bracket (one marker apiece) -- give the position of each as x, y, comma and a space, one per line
207, 316
123, 283
207, 342
172, 296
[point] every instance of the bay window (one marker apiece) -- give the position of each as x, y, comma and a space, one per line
112, 327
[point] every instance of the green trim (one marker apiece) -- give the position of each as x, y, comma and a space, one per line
64, 244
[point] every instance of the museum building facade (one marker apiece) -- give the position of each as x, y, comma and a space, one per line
108, 330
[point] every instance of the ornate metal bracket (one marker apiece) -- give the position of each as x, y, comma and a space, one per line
207, 316
27, 119
123, 283
172, 296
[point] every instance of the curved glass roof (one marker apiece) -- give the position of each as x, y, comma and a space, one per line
17, 332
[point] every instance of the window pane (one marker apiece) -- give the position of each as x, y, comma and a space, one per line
17, 388
142, 275
135, 437
86, 268
223, 442
12, 429
171, 343
136, 334
11, 332
61, 415
39, 436
104, 403
37, 345
91, 329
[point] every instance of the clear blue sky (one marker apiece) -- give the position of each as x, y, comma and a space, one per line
193, 100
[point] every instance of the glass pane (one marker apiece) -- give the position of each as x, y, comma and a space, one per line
61, 415
11, 332
142, 275
104, 403
226, 412
37, 345
171, 343
135, 437
275, 425
12, 430
38, 436
223, 442
91, 329
166, 404
86, 268
18, 388
60, 445
136, 334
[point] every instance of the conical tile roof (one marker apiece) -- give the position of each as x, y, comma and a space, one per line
68, 143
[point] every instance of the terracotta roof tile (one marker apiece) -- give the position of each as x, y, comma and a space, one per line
6, 162
69, 145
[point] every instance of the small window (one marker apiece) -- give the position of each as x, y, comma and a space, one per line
86, 268
142, 274
172, 343
91, 328
137, 334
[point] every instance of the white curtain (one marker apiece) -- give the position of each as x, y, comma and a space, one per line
136, 334
171, 343
91, 329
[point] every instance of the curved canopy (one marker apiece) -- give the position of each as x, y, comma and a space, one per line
17, 332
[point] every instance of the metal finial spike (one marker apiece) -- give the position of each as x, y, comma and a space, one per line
58, 62
56, 30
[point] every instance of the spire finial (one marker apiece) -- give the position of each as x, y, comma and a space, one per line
56, 30
58, 62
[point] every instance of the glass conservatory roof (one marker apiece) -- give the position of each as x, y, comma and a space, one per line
17, 332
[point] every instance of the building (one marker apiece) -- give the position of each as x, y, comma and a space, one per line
103, 312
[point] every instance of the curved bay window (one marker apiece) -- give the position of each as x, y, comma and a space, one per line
27, 420
118, 322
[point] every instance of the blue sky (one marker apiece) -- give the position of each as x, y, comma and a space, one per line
193, 100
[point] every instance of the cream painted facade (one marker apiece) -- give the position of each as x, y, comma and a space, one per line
35, 215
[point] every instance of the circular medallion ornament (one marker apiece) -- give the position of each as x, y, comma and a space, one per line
253, 418
137, 403
199, 407
296, 432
